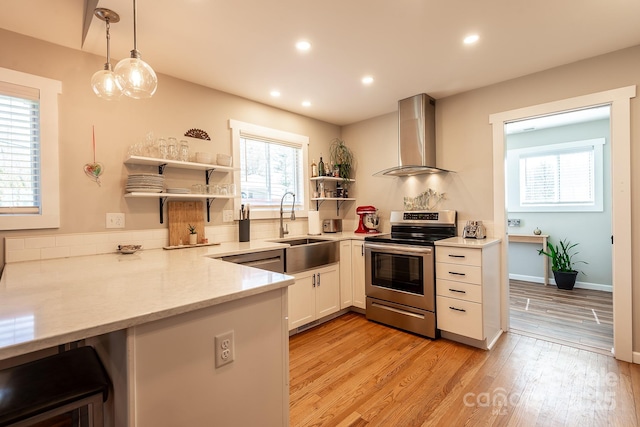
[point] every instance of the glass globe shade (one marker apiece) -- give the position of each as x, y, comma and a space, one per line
137, 78
105, 84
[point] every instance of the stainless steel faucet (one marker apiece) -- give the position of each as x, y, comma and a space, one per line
293, 213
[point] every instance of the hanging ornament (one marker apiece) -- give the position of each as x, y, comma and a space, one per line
95, 169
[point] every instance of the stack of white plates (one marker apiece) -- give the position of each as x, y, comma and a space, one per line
145, 183
178, 190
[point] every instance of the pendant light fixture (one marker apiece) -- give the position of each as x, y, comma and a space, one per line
136, 77
104, 82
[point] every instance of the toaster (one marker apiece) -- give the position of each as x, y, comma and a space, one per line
332, 226
474, 230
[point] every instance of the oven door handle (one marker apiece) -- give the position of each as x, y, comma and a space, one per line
398, 249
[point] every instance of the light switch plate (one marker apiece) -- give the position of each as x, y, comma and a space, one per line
227, 215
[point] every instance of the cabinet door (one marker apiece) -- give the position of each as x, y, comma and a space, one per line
301, 296
346, 285
327, 291
357, 267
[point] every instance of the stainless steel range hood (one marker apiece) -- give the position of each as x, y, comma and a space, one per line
416, 138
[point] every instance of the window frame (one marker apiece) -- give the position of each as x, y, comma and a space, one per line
240, 130
49, 216
514, 183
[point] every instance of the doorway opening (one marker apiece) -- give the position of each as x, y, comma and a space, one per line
619, 100
558, 175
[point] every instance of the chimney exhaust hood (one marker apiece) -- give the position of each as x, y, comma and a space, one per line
416, 138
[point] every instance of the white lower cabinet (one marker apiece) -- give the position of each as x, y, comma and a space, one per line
357, 273
315, 294
352, 274
468, 293
346, 270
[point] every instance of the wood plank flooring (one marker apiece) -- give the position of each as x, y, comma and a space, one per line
580, 317
352, 372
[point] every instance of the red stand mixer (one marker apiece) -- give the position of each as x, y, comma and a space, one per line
369, 220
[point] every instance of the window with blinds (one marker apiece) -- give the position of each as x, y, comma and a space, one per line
269, 169
20, 179
270, 163
556, 177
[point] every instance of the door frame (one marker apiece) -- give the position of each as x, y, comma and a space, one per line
620, 132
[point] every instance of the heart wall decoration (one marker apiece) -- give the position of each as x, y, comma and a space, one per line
95, 169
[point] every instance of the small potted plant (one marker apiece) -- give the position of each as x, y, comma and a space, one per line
562, 263
342, 157
193, 235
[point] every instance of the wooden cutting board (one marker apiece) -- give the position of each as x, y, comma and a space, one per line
180, 215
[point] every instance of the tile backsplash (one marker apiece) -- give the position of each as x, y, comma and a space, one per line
33, 247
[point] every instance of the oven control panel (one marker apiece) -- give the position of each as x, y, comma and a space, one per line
420, 216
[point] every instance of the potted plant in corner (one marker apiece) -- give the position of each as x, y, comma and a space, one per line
562, 263
193, 235
342, 157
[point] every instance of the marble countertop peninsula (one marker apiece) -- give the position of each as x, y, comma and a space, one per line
51, 302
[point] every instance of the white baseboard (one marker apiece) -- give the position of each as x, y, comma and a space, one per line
582, 285
636, 357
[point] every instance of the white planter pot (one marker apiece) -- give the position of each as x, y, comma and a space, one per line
193, 239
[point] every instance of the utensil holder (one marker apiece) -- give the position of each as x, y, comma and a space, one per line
244, 230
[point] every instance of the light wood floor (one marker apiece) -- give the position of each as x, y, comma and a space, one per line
580, 317
352, 372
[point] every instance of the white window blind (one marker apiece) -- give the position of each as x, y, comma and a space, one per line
557, 178
268, 169
20, 180
561, 177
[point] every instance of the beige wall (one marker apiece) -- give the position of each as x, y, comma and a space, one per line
176, 107
464, 140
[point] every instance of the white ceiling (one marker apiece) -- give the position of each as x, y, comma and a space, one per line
246, 47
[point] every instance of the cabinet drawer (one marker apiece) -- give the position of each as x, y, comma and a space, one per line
459, 273
457, 255
459, 317
459, 290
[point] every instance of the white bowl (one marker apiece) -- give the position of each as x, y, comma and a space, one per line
204, 157
223, 159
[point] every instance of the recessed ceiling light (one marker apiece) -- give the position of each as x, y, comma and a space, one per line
306, 103
367, 80
471, 39
275, 93
303, 45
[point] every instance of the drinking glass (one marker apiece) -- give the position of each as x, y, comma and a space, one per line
162, 148
184, 150
172, 149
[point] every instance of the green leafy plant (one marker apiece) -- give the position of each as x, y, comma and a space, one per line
341, 156
192, 229
562, 256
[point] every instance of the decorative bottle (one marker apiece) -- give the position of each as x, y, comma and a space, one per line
314, 169
321, 167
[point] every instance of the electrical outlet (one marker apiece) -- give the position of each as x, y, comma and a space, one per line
115, 220
227, 215
225, 349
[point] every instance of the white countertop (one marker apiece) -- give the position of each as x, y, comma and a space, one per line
51, 302
468, 243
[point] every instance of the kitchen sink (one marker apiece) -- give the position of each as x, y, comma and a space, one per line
306, 253
298, 242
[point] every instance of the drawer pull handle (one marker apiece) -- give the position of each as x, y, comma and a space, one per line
456, 290
458, 309
457, 256
457, 274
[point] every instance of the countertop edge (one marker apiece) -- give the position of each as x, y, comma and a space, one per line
468, 243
